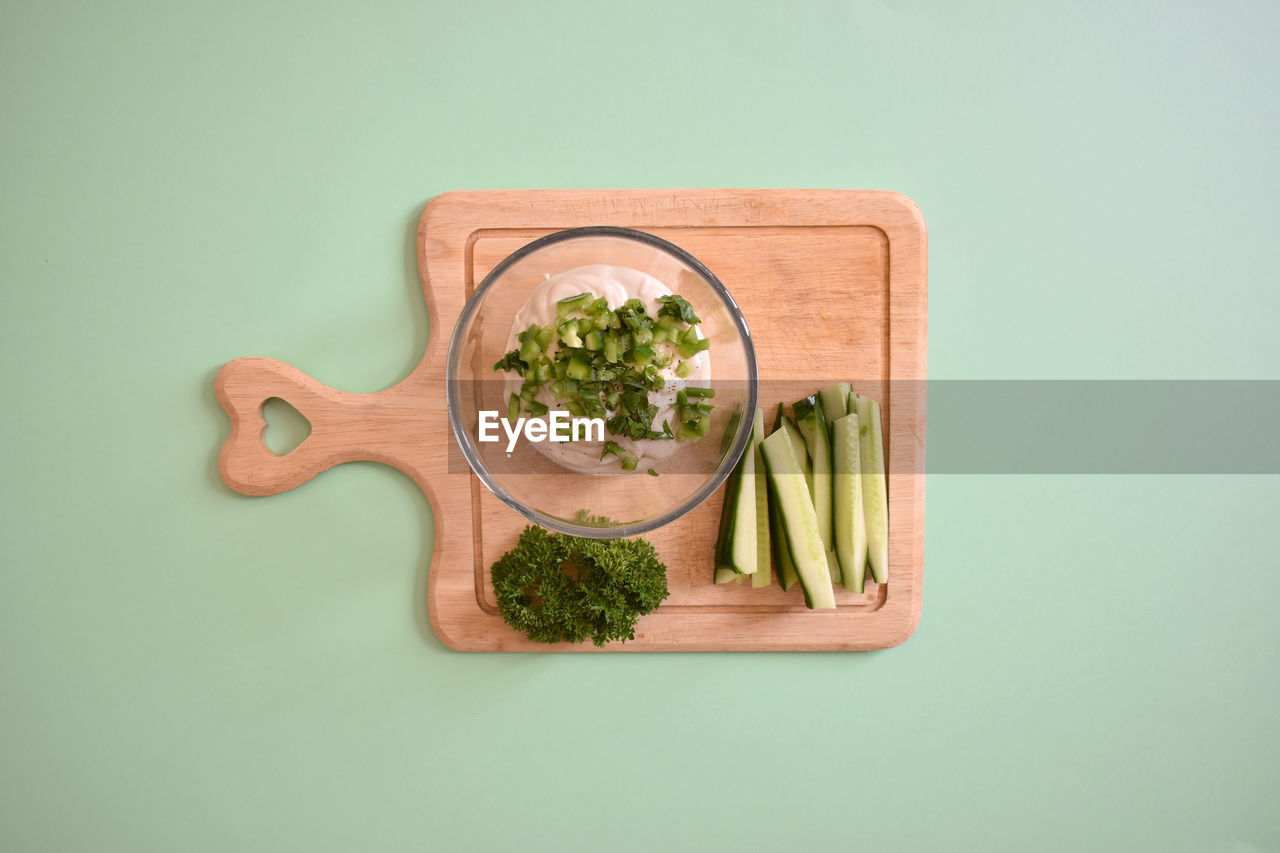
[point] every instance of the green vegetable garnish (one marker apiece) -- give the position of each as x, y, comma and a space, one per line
692, 346
530, 346
569, 334
597, 362
556, 588
511, 361
676, 306
612, 353
566, 307
579, 368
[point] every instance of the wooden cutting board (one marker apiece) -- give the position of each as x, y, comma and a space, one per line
833, 285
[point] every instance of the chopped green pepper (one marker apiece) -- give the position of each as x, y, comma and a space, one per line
578, 368
573, 303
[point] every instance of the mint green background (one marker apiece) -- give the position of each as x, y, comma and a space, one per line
182, 668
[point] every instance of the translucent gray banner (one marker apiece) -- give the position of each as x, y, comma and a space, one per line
1027, 426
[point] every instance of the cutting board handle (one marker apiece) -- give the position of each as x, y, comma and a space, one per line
345, 427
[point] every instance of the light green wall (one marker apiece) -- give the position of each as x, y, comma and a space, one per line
181, 668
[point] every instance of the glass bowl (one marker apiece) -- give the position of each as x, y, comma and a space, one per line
598, 505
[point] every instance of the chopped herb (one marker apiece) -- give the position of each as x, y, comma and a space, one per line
511, 361
678, 307
554, 587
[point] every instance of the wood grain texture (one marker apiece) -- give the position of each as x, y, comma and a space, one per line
850, 264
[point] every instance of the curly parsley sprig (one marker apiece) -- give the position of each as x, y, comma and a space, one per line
556, 588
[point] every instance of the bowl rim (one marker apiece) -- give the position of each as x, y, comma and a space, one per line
478, 468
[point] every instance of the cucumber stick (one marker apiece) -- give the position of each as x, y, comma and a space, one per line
799, 519
789, 425
787, 576
875, 498
812, 425
835, 401
761, 576
736, 544
849, 520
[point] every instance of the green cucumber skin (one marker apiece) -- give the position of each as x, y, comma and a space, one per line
736, 543
761, 576
742, 551
813, 427
787, 576
725, 537
875, 498
800, 521
850, 523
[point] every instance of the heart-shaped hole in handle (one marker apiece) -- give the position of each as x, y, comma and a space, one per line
286, 426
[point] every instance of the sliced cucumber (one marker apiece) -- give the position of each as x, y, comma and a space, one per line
787, 576
782, 459
835, 401
833, 567
761, 576
786, 423
875, 497
727, 576
736, 544
812, 425
850, 523
720, 562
